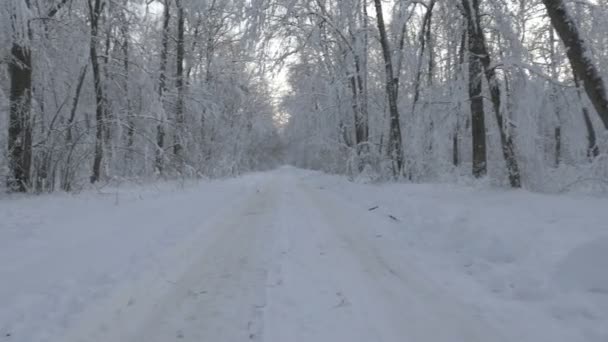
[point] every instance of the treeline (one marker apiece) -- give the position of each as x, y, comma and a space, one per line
433, 90
436, 90
96, 90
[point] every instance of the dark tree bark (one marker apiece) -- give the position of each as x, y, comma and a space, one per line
359, 83
360, 110
108, 116
592, 149
579, 57
361, 64
19, 128
359, 124
179, 83
360, 107
395, 146
558, 145
20, 71
66, 177
455, 147
127, 70
557, 133
459, 68
162, 87
424, 38
478, 126
75, 102
429, 42
479, 51
95, 10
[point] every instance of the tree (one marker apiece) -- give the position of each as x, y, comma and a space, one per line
20, 72
95, 11
479, 51
162, 87
395, 148
118, 90
579, 56
179, 83
478, 125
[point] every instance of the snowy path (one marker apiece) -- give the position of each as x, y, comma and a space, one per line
289, 264
271, 257
335, 283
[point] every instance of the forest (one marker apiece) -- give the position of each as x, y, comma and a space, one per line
304, 170
511, 92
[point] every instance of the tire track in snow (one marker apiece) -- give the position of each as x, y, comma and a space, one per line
218, 293
230, 278
409, 304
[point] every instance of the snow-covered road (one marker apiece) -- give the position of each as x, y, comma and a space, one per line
282, 256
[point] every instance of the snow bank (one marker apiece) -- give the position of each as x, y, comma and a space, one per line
524, 259
532, 265
62, 254
585, 268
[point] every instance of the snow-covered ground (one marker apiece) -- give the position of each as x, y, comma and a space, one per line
293, 255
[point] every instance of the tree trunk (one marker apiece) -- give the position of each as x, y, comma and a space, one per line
579, 57
359, 82
129, 110
360, 110
395, 147
76, 100
19, 128
108, 119
459, 68
554, 97
95, 14
558, 145
478, 125
478, 49
592, 149
179, 84
20, 104
162, 85
130, 123
362, 72
424, 37
66, 177
455, 148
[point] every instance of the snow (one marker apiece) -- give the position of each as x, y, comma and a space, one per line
294, 255
532, 264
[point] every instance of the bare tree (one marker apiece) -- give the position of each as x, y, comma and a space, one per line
479, 51
478, 125
179, 83
395, 148
20, 72
162, 86
95, 11
579, 57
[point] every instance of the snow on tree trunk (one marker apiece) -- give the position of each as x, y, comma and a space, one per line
395, 148
179, 84
95, 10
579, 56
478, 48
